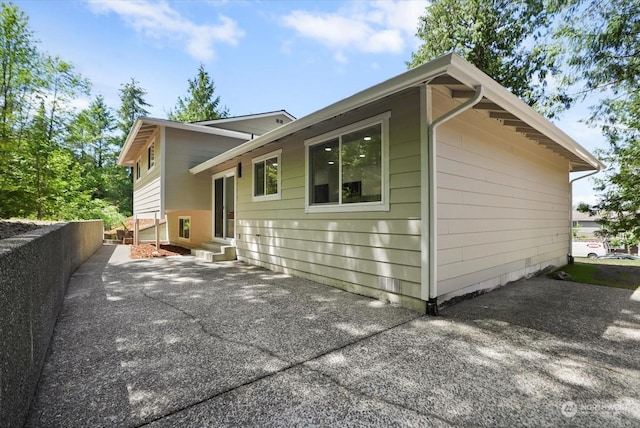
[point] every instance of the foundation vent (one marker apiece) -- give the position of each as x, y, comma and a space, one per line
389, 284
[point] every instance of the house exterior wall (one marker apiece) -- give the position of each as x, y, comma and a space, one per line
503, 209
147, 190
371, 253
503, 204
184, 150
200, 229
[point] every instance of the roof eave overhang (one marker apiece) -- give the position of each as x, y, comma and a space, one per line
125, 158
450, 65
129, 142
470, 76
246, 117
410, 78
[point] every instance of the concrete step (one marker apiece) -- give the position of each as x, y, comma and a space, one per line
212, 252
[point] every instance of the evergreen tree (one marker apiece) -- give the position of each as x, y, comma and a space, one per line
132, 106
120, 180
199, 104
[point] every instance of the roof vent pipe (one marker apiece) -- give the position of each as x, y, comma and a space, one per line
430, 271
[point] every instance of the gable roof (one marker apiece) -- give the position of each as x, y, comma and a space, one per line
245, 117
459, 76
144, 127
254, 124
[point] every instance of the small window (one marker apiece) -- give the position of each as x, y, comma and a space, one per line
347, 169
184, 227
138, 172
151, 155
266, 177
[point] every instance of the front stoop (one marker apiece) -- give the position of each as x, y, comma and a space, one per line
212, 252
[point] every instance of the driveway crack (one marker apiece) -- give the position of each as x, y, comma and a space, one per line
209, 333
290, 365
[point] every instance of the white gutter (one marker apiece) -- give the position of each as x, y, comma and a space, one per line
429, 206
452, 65
570, 254
245, 117
471, 76
389, 87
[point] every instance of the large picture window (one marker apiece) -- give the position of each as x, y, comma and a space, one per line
347, 168
266, 176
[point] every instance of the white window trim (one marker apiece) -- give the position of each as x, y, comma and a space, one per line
155, 162
276, 196
184, 217
138, 170
383, 205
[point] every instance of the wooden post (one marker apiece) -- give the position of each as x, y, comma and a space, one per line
136, 230
157, 228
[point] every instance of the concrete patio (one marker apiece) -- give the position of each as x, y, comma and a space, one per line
177, 342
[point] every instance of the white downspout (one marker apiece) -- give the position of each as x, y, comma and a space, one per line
431, 207
570, 254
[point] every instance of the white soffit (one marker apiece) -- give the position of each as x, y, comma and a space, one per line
145, 127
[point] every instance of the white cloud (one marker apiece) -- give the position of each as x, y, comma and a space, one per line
339, 56
159, 21
588, 199
399, 15
369, 27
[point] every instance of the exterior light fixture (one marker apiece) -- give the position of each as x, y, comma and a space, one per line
367, 138
327, 149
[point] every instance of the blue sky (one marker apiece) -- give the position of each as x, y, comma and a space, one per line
263, 55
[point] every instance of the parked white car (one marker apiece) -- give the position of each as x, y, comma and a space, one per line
591, 249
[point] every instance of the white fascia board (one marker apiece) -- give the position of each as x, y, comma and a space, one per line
176, 125
129, 141
198, 128
471, 76
246, 117
405, 80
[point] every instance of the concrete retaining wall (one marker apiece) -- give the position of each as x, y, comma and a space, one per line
34, 272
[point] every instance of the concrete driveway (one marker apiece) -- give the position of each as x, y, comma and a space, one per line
174, 342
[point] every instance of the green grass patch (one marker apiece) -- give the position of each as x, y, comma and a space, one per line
582, 272
611, 273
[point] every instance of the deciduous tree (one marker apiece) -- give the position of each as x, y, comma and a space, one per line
504, 38
605, 57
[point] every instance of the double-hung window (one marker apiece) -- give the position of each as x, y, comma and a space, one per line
266, 176
347, 169
151, 155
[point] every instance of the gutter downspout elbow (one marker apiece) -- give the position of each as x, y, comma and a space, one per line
432, 302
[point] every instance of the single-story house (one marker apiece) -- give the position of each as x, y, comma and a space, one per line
433, 184
585, 225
